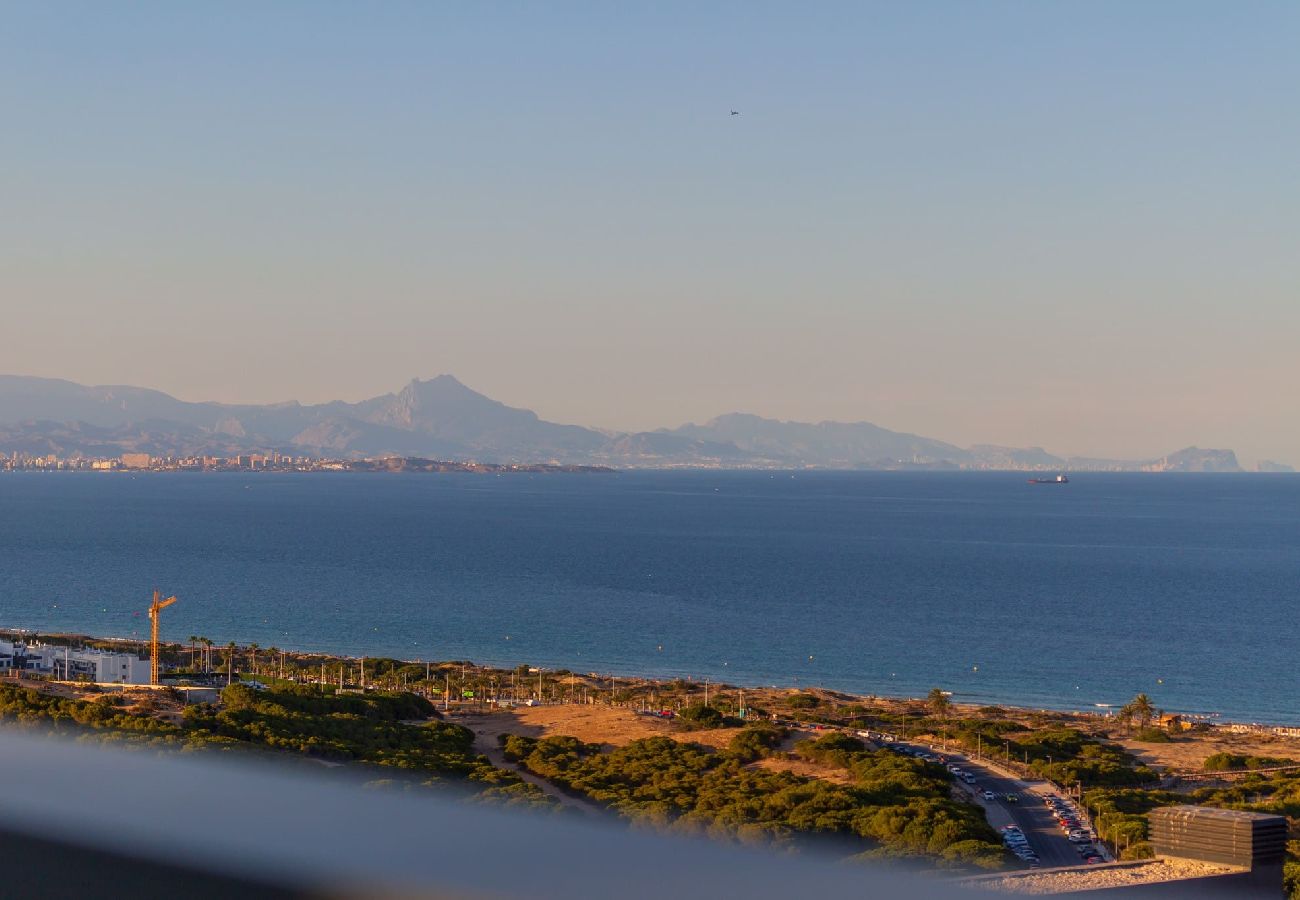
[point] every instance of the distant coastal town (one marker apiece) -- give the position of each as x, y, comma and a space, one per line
267, 462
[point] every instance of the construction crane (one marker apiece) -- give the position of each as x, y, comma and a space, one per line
156, 607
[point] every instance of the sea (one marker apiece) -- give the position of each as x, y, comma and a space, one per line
1076, 596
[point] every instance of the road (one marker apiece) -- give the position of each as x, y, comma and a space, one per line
1034, 819
1029, 812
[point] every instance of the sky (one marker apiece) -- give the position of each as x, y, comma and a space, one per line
1072, 225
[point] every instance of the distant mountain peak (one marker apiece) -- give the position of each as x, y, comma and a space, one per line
440, 417
434, 403
444, 380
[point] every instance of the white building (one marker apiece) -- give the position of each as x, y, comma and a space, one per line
68, 664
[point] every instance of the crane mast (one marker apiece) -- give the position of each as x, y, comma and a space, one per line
155, 608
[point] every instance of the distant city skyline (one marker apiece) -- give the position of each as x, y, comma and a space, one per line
1071, 226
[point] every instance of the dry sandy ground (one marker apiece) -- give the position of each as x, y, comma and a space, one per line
615, 727
801, 767
1188, 753
610, 726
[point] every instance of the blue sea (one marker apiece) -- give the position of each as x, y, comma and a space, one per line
1181, 586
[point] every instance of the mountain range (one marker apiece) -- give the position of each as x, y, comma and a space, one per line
442, 418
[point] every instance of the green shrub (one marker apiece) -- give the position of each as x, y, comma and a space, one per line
832, 749
1291, 880
697, 715
1140, 850
1152, 736
1222, 762
803, 701
755, 742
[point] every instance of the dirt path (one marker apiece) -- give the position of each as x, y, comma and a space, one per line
485, 742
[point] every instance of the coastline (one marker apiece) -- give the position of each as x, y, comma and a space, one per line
1225, 722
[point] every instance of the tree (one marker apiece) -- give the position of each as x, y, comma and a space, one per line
1140, 708
697, 715
194, 651
938, 701
230, 663
253, 648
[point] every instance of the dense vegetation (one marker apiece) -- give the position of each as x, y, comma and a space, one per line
364, 728
1224, 762
102, 716
697, 715
371, 728
896, 807
756, 742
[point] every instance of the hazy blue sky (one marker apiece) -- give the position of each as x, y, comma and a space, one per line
1074, 225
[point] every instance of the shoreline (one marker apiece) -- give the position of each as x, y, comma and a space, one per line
1215, 721
422, 465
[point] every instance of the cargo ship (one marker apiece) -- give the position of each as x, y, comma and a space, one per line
1059, 479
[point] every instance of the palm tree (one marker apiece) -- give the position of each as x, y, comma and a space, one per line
1140, 708
253, 648
194, 650
207, 654
230, 663
273, 651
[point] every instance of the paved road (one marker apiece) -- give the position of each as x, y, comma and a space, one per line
1029, 813
1034, 819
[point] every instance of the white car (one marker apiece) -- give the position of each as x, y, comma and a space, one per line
989, 795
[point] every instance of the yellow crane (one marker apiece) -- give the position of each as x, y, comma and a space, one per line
156, 607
